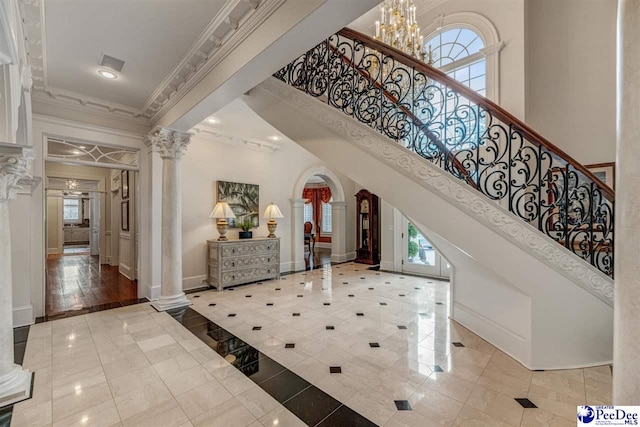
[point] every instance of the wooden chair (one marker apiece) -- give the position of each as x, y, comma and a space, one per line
309, 236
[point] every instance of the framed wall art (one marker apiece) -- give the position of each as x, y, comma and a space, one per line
243, 199
124, 215
124, 183
606, 172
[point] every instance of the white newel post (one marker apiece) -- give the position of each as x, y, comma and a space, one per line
171, 145
15, 383
626, 336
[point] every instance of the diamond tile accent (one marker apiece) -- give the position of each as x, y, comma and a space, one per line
457, 344
326, 303
345, 283
289, 345
401, 295
269, 304
256, 328
335, 370
374, 345
329, 328
213, 304
359, 314
402, 327
402, 405
525, 403
231, 315
437, 368
296, 314
439, 303
383, 303
351, 295
300, 296
247, 296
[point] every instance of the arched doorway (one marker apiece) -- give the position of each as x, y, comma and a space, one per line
319, 174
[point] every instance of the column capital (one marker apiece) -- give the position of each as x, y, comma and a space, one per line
15, 163
171, 144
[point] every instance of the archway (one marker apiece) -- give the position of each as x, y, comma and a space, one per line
338, 216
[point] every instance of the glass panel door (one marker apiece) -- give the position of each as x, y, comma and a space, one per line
419, 255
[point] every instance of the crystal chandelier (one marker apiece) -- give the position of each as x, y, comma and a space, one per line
398, 28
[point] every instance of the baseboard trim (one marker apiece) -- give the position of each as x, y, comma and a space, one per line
349, 256
54, 251
194, 282
23, 315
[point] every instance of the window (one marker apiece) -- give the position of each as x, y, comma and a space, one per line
308, 212
457, 52
326, 217
71, 210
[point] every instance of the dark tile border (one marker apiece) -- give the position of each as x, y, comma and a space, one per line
92, 309
292, 391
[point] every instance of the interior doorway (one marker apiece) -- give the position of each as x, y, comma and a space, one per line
91, 226
318, 225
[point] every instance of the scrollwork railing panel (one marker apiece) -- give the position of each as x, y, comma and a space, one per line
463, 133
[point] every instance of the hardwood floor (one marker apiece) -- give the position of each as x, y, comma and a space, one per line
79, 282
321, 256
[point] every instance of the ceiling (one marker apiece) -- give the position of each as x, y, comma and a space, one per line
236, 118
151, 36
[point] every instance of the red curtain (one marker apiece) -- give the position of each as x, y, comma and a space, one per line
317, 196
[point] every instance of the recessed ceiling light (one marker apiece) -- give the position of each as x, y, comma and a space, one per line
213, 120
82, 147
108, 74
275, 138
76, 152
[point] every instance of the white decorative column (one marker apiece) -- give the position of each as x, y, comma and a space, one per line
626, 337
171, 145
297, 234
339, 227
15, 162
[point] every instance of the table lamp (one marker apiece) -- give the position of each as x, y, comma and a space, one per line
222, 211
272, 212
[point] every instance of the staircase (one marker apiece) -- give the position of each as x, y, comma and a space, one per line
537, 221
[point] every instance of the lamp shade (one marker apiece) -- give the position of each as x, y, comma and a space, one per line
272, 211
222, 210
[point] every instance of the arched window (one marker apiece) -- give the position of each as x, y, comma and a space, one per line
458, 52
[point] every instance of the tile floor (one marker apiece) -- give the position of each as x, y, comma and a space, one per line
134, 366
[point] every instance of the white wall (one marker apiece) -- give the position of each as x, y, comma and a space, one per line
571, 76
207, 161
55, 224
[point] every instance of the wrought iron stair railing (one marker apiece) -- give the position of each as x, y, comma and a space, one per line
465, 134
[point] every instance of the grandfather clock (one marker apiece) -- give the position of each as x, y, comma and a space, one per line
368, 228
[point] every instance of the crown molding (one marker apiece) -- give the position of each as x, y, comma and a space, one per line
440, 182
237, 141
208, 61
205, 54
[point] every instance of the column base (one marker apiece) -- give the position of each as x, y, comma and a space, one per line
171, 302
15, 386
